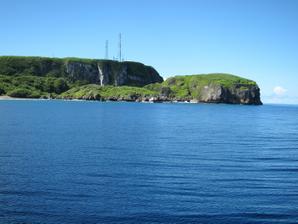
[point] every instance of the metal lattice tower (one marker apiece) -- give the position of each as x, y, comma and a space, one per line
107, 49
120, 48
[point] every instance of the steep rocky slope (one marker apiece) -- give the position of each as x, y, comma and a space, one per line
101, 72
210, 88
91, 79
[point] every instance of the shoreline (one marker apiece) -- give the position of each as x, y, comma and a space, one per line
17, 98
86, 100
9, 98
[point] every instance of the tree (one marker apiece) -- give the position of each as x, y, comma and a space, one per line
60, 86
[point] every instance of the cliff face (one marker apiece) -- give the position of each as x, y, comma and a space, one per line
101, 72
238, 94
210, 88
112, 73
73, 78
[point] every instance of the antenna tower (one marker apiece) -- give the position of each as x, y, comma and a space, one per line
120, 48
107, 49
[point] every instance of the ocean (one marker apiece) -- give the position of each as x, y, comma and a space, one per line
73, 162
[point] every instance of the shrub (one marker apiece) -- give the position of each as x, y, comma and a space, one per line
20, 92
60, 85
2, 91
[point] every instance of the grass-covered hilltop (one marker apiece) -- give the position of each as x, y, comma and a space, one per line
91, 79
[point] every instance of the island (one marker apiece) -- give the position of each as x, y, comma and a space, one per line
109, 80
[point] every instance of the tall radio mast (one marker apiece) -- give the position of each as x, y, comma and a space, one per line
107, 49
120, 48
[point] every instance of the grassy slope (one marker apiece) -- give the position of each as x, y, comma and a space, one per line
93, 91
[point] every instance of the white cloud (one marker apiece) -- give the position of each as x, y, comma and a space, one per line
279, 91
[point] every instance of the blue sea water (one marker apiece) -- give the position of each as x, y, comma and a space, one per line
90, 162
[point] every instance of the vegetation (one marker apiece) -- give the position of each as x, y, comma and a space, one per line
97, 92
178, 87
32, 86
78, 71
31, 66
175, 88
39, 77
190, 87
2, 91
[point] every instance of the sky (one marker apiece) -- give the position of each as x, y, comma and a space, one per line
255, 39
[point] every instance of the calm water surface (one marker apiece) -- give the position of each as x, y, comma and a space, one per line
91, 162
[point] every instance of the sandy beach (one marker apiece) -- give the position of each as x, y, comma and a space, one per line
6, 98
15, 98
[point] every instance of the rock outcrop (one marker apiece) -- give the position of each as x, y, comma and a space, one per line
210, 88
238, 94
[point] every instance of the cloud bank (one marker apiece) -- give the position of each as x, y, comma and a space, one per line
279, 91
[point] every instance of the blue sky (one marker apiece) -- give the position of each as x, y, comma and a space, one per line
256, 39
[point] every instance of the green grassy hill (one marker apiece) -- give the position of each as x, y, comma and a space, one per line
184, 87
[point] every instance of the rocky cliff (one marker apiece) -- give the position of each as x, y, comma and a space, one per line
73, 78
238, 94
105, 72
101, 72
210, 88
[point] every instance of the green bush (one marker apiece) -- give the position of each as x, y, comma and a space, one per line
20, 92
60, 86
2, 91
